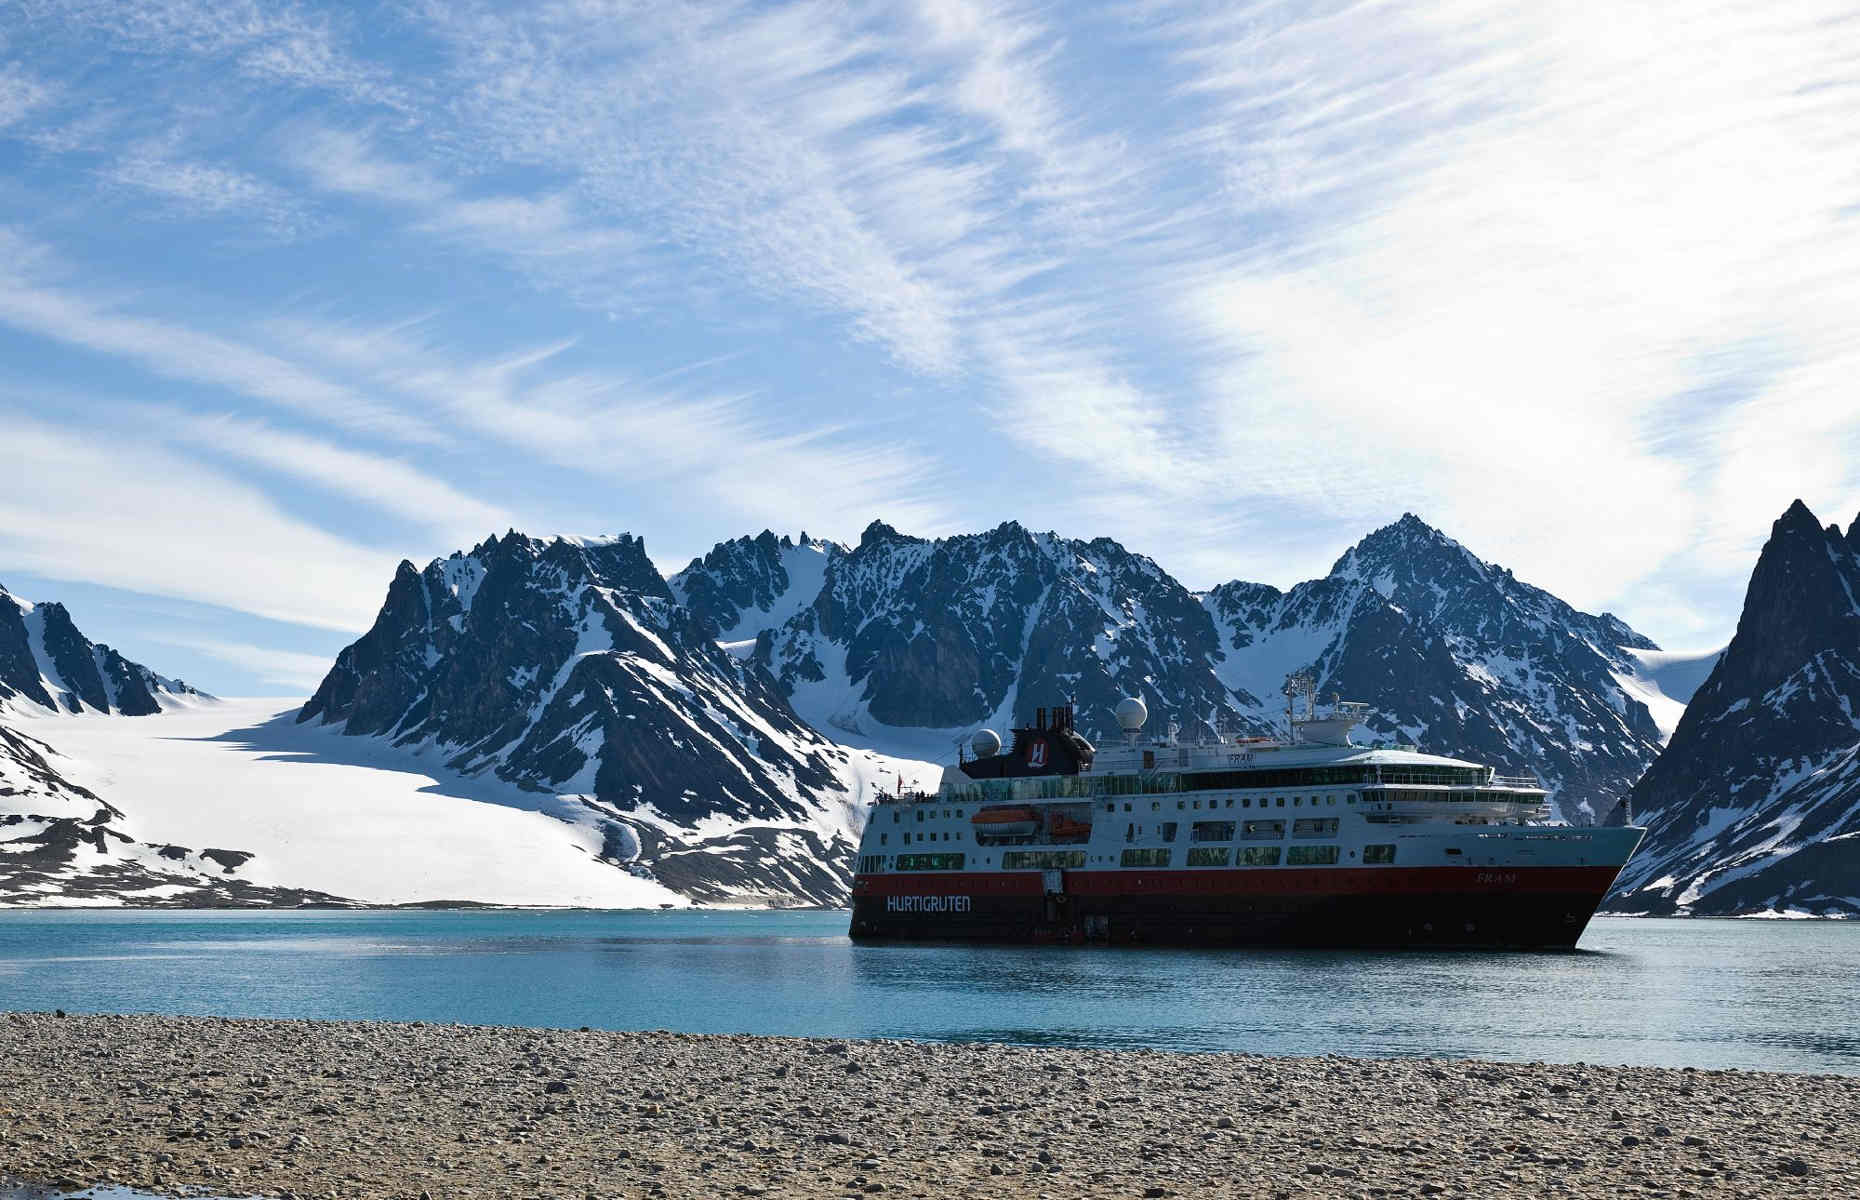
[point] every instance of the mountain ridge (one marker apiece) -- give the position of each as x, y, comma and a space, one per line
569, 669
910, 638
65, 840
718, 730
1755, 806
46, 661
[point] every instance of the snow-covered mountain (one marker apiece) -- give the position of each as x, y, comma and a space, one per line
713, 736
45, 661
1755, 804
1459, 656
61, 841
903, 643
907, 642
570, 669
751, 584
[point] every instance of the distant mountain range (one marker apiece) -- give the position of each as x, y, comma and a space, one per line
1755, 804
60, 840
722, 727
903, 643
719, 731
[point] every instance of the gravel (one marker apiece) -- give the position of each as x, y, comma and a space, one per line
339, 1109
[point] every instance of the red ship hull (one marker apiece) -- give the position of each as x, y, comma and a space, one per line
1484, 907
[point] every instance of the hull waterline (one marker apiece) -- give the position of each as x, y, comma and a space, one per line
1524, 908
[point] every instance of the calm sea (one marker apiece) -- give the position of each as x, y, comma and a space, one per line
1757, 994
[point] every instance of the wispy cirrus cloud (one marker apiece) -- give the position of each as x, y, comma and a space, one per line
720, 450
20, 94
1233, 282
284, 668
548, 237
269, 42
205, 189
142, 518
384, 484
1521, 265
35, 299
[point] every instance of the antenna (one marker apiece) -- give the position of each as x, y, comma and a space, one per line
1298, 683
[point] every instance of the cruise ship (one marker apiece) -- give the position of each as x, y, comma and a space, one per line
1301, 839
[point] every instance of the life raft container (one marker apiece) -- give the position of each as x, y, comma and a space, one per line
1006, 822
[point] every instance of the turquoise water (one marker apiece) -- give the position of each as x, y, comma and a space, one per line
1755, 994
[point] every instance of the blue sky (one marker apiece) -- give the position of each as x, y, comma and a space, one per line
289, 293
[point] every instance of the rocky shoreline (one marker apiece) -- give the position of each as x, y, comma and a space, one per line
360, 1109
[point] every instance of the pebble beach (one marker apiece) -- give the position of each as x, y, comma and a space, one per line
365, 1109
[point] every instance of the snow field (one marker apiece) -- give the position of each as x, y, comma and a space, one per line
351, 816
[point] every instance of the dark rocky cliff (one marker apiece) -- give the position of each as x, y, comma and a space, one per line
567, 667
1755, 804
39, 642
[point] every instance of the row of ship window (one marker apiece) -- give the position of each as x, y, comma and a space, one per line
1062, 787
1199, 831
1198, 856
1246, 802
1214, 803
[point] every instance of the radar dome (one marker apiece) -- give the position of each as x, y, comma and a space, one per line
986, 743
1131, 713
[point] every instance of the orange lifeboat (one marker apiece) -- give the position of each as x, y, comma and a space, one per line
1006, 822
1067, 827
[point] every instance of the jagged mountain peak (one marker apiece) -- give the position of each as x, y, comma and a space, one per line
1798, 514
1755, 804
1456, 653
610, 560
1408, 547
1803, 597
1435, 578
747, 583
878, 533
912, 633
47, 662
569, 666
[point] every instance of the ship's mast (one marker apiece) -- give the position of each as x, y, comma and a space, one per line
1298, 683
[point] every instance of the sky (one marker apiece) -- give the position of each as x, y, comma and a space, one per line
290, 293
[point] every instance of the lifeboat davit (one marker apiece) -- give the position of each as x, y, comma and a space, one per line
1006, 822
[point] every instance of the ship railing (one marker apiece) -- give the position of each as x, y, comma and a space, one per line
1516, 781
1458, 798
